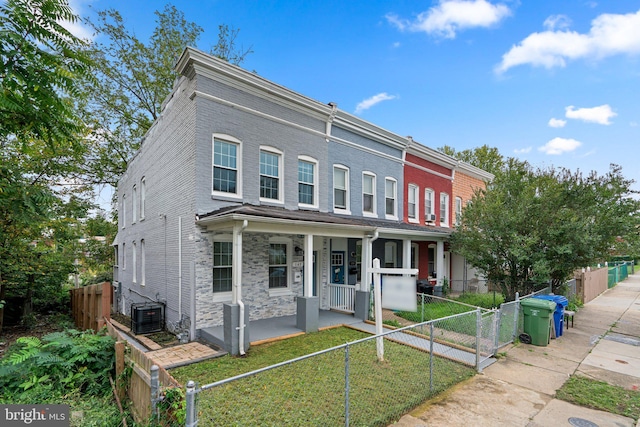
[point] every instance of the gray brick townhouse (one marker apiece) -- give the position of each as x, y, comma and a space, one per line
248, 201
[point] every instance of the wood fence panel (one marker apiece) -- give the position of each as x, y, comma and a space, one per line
90, 305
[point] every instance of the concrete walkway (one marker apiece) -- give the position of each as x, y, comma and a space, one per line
519, 389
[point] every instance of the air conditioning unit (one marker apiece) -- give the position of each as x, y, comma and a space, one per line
430, 217
146, 318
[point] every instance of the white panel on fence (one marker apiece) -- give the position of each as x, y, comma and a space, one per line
399, 293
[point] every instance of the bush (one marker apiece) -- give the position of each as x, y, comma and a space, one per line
488, 301
58, 364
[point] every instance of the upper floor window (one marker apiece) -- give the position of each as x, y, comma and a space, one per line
226, 166
143, 196
307, 181
134, 207
222, 266
270, 175
123, 217
391, 202
340, 188
412, 203
458, 207
368, 193
429, 206
444, 209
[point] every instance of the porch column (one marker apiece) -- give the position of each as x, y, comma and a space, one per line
363, 292
406, 253
308, 305
236, 314
439, 262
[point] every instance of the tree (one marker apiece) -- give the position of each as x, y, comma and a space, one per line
486, 158
133, 79
534, 226
41, 136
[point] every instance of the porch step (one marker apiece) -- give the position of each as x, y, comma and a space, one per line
207, 334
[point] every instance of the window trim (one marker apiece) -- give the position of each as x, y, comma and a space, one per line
416, 195
280, 155
288, 290
124, 211
457, 211
143, 263
316, 170
134, 262
444, 205
395, 198
347, 209
134, 204
432, 208
124, 256
227, 295
229, 140
374, 204
143, 196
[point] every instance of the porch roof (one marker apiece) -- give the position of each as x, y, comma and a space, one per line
276, 219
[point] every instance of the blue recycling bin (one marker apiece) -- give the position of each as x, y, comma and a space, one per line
558, 316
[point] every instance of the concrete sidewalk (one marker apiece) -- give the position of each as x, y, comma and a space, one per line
519, 389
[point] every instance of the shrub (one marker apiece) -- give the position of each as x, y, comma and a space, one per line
487, 301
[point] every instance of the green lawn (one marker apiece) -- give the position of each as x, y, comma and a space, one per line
602, 396
312, 391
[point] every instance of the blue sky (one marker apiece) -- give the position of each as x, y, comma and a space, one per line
556, 83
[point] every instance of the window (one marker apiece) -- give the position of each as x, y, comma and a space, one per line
307, 186
390, 254
226, 165
368, 194
123, 218
134, 206
429, 208
278, 274
134, 263
143, 196
222, 266
359, 260
390, 197
143, 263
340, 188
270, 182
124, 257
458, 210
444, 209
412, 204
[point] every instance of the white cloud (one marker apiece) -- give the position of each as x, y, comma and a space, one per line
560, 145
600, 115
557, 22
78, 28
396, 45
522, 150
610, 34
370, 102
557, 123
450, 16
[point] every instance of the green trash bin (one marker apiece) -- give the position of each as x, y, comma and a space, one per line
538, 318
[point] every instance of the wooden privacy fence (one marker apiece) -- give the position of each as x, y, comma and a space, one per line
91, 305
591, 283
140, 392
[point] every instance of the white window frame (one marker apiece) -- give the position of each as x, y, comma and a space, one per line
134, 205
124, 211
134, 262
143, 263
374, 202
222, 296
143, 196
228, 139
413, 191
347, 209
124, 256
458, 211
393, 248
429, 195
280, 155
444, 210
287, 290
394, 182
316, 171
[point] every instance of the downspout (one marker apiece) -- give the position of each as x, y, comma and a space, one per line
372, 239
332, 115
237, 273
180, 269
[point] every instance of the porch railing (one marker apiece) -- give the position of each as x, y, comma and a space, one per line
342, 297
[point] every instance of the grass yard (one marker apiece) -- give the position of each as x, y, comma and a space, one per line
602, 396
312, 391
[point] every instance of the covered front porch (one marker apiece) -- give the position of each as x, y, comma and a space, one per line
278, 327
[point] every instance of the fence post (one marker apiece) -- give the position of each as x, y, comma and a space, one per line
497, 317
431, 356
516, 316
191, 412
346, 386
155, 387
422, 321
478, 334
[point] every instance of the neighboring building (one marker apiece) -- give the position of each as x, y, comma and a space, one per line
249, 201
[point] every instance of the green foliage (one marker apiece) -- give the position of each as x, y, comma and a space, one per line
488, 301
60, 362
601, 396
574, 303
392, 322
173, 407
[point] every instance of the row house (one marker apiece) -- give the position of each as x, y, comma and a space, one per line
249, 201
